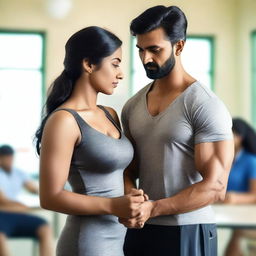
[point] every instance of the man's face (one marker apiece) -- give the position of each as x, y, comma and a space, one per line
156, 53
6, 162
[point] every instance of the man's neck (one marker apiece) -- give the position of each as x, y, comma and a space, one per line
177, 80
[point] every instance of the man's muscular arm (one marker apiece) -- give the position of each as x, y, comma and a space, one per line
213, 160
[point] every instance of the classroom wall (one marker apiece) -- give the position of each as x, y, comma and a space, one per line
221, 19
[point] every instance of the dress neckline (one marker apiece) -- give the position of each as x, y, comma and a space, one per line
109, 117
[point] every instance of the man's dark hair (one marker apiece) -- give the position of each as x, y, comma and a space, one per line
171, 19
6, 150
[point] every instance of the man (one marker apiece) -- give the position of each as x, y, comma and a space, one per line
183, 145
14, 221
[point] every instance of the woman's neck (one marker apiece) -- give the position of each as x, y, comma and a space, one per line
83, 97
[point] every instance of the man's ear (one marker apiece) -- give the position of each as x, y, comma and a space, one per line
87, 66
179, 47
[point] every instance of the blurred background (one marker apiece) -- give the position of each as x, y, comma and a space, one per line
220, 51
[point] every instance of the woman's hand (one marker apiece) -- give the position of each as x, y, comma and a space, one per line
138, 221
128, 206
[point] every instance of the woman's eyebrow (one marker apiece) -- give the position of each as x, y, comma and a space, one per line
117, 59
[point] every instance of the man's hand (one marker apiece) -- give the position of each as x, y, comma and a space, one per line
145, 212
128, 206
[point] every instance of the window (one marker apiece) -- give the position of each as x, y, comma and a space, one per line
197, 58
253, 103
21, 93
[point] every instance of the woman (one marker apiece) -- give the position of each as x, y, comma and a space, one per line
242, 179
82, 142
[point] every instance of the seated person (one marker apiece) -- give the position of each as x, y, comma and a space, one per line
242, 179
14, 221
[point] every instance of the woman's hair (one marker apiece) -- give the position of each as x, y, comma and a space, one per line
243, 129
92, 44
171, 19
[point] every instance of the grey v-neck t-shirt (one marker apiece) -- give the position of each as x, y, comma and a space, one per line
164, 144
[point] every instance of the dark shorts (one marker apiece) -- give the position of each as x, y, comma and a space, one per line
19, 224
187, 240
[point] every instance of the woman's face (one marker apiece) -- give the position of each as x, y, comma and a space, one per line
106, 77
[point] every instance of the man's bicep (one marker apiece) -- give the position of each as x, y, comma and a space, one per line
212, 122
213, 159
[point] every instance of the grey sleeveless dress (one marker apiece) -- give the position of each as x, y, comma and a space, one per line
96, 169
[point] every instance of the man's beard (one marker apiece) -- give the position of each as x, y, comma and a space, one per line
160, 72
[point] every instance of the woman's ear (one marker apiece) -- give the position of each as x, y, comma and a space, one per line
179, 47
87, 66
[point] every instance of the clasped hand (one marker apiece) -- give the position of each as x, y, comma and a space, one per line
140, 210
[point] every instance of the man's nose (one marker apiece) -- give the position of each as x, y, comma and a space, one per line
146, 57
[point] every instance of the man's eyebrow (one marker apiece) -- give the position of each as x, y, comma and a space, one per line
149, 47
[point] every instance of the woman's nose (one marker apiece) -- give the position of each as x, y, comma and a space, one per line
120, 75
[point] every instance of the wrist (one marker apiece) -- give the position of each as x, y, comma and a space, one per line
153, 212
163, 207
108, 206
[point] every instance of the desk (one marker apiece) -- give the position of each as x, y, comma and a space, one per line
235, 216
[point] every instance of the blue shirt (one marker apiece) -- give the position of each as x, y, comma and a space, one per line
243, 170
11, 183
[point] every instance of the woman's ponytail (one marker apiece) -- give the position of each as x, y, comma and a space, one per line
59, 91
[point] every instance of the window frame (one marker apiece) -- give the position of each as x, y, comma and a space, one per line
42, 34
42, 69
211, 40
